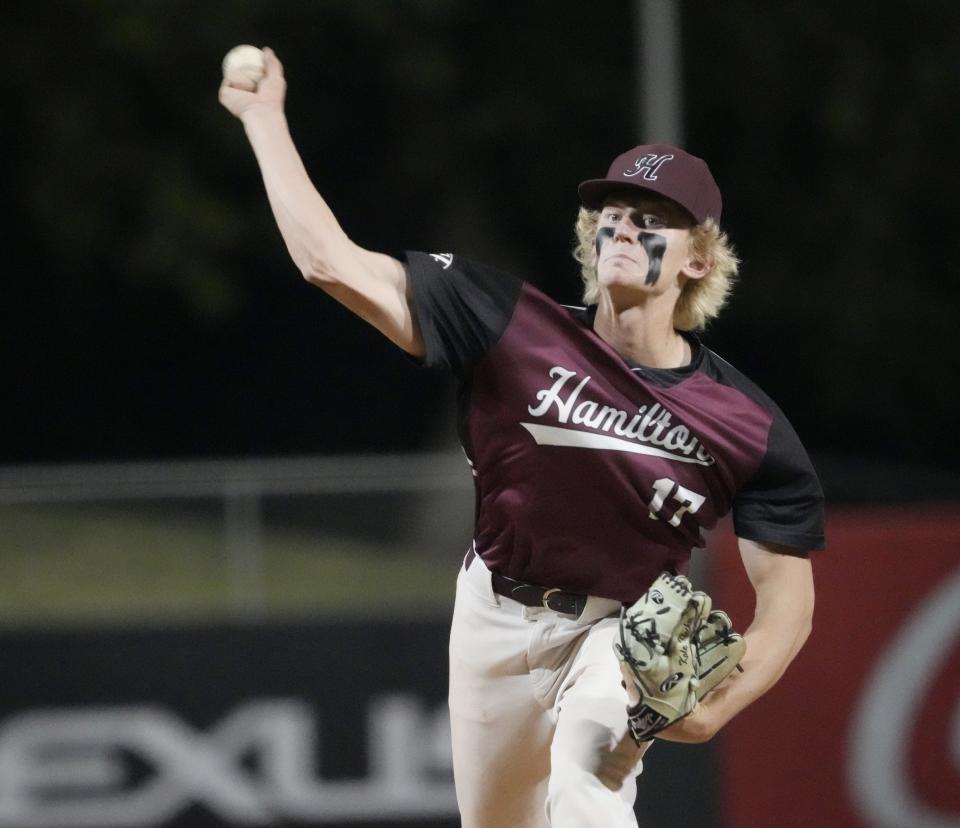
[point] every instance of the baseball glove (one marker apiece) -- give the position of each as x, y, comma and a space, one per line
674, 649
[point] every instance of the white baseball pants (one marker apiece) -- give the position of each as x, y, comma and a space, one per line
537, 713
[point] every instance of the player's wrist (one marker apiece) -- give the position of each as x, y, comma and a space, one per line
265, 114
697, 727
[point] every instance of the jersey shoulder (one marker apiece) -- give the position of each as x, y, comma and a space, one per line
719, 370
783, 502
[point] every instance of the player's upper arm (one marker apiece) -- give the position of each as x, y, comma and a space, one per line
783, 582
376, 288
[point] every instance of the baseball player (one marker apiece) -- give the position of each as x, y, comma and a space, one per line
604, 441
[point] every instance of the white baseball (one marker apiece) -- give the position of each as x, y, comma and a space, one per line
243, 67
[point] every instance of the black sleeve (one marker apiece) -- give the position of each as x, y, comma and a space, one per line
783, 502
461, 307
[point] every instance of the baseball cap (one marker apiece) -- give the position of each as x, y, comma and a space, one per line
663, 169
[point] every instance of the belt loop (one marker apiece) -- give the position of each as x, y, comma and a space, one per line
471, 554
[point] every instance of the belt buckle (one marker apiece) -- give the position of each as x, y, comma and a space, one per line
546, 597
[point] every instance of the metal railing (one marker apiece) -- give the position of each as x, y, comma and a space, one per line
437, 485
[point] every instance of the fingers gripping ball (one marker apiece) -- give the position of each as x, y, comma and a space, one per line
244, 67
660, 639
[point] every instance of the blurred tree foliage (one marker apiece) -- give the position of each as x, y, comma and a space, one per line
151, 309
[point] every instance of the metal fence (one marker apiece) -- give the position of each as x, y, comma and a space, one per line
238, 520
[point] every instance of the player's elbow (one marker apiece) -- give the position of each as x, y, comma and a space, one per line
804, 623
329, 263
803, 631
316, 259
318, 271
794, 634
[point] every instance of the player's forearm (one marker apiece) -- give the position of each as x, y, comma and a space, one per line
773, 642
778, 632
372, 285
739, 690
314, 238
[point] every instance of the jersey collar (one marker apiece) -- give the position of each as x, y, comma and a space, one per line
663, 377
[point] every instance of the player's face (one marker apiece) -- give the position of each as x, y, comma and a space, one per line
642, 244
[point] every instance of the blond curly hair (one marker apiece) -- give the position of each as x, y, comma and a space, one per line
700, 300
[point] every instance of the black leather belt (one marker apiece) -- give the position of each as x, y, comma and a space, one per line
530, 595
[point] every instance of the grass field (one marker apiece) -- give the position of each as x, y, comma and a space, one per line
71, 564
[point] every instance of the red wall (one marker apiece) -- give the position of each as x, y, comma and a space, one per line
863, 731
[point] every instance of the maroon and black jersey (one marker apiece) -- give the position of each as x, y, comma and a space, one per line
593, 474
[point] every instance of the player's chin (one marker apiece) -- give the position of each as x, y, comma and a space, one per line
621, 270
623, 284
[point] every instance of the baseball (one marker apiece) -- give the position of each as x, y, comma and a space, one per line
243, 67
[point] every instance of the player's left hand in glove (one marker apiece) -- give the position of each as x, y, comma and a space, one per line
673, 650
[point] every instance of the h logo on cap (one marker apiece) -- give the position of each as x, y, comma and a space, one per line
647, 166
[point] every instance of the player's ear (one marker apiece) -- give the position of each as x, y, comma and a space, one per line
698, 263
696, 267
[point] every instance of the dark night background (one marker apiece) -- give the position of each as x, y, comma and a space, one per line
150, 309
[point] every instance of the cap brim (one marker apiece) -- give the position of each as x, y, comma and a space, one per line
593, 192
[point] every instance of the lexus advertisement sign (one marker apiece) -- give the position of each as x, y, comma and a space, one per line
340, 723
345, 723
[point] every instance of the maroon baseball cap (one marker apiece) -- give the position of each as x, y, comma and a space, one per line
662, 169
